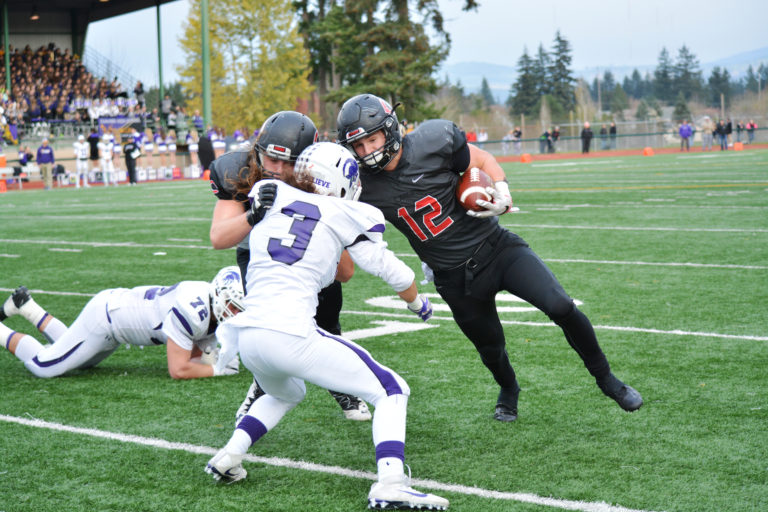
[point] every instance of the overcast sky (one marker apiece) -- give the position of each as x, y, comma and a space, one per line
602, 33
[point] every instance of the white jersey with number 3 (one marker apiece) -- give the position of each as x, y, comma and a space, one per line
295, 250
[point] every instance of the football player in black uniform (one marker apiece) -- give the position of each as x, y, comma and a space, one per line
412, 179
282, 137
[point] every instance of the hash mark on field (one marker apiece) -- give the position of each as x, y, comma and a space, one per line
62, 249
321, 468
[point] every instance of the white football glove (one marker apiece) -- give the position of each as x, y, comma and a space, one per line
422, 307
230, 368
210, 357
502, 201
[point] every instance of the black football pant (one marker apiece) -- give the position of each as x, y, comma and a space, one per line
505, 262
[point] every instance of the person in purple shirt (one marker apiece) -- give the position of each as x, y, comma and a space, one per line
45, 160
685, 136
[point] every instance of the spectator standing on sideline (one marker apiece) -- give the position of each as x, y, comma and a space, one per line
722, 137
505, 140
554, 136
45, 161
93, 144
138, 91
739, 129
482, 138
728, 131
751, 127
604, 138
517, 138
586, 138
707, 133
132, 153
472, 256
197, 121
612, 134
685, 136
544, 142
82, 149
106, 154
25, 157
165, 109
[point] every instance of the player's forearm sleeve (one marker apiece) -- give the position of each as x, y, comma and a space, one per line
376, 259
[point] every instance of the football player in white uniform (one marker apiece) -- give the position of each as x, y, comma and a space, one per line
106, 150
183, 317
82, 149
295, 248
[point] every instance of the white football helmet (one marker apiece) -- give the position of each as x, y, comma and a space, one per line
226, 289
334, 169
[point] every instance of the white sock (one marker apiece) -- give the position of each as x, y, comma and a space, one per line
54, 330
27, 348
239, 442
32, 312
389, 467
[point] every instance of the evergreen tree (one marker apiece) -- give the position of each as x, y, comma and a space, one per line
663, 77
750, 82
762, 75
560, 74
540, 71
523, 94
607, 86
686, 74
643, 111
719, 83
681, 112
619, 101
486, 94
634, 85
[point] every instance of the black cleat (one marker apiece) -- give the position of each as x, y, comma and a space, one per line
506, 404
354, 408
18, 298
626, 396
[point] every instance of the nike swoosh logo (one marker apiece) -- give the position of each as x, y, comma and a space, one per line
417, 179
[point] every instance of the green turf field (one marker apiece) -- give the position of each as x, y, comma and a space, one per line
667, 255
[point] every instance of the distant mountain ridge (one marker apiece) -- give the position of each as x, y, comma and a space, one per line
500, 78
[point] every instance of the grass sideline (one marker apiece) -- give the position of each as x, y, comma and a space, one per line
668, 256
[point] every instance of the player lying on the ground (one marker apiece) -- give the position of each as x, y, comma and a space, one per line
183, 317
295, 247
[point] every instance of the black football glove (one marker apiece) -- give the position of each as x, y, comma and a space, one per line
262, 203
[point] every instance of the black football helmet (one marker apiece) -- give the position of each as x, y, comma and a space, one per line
284, 135
363, 115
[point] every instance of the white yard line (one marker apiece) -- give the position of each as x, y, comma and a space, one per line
321, 468
637, 228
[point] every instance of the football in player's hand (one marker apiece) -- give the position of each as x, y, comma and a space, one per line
471, 187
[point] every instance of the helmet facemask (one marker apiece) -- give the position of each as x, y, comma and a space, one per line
226, 290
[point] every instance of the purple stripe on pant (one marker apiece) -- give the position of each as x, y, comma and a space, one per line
385, 377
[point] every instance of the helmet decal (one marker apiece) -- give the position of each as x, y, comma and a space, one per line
386, 106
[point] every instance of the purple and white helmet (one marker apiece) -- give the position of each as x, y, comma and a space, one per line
226, 289
333, 168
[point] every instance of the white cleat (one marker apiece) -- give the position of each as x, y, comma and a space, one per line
226, 467
396, 494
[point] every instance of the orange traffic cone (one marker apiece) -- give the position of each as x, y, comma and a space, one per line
648, 151
525, 158
3, 187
